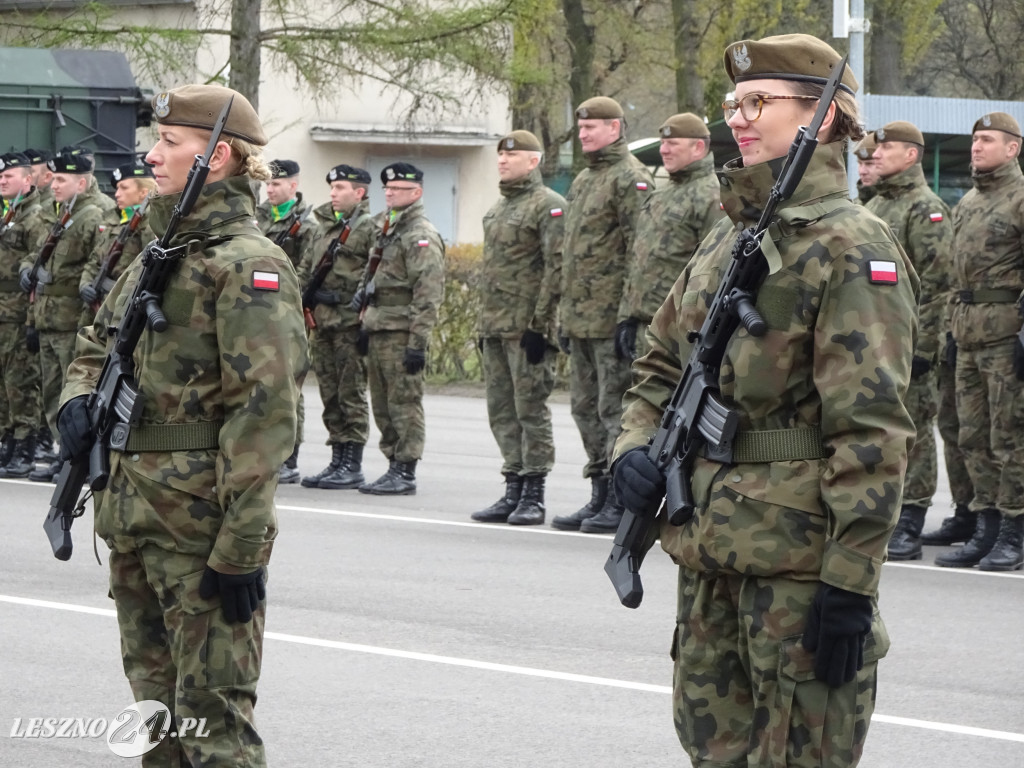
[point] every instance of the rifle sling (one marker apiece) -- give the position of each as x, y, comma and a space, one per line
789, 220
190, 436
766, 446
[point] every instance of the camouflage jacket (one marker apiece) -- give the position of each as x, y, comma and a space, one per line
841, 314
233, 355
349, 261
989, 255
409, 285
604, 202
19, 241
132, 247
293, 246
864, 194
521, 271
104, 202
923, 226
672, 223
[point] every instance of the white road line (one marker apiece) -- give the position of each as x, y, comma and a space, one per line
515, 670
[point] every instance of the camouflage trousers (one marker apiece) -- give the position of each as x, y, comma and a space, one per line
949, 429
744, 692
396, 396
922, 403
990, 404
517, 406
341, 376
56, 352
178, 650
19, 383
597, 382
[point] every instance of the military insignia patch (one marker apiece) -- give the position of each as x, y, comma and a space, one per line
556, 212
642, 186
103, 227
510, 144
333, 175
936, 217
666, 131
265, 281
2, 164
883, 272
422, 243
987, 121
390, 173
116, 174
162, 105
582, 113
880, 134
741, 58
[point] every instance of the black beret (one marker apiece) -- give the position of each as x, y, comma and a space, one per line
130, 171
284, 169
348, 173
75, 164
75, 150
14, 160
38, 156
406, 171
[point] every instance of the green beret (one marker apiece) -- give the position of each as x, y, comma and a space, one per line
998, 121
523, 140
799, 57
599, 108
199, 106
900, 130
865, 148
684, 126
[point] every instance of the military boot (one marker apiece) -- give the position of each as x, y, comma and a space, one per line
45, 471
981, 543
311, 481
530, 509
399, 480
290, 469
607, 519
1008, 552
45, 452
7, 444
905, 543
598, 494
349, 473
499, 511
954, 530
23, 462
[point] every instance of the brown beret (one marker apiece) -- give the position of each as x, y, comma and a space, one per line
865, 148
998, 121
599, 108
199, 106
684, 126
785, 57
900, 130
520, 140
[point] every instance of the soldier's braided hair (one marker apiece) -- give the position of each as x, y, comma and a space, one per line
847, 123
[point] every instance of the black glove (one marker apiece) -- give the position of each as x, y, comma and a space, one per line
535, 346
563, 342
240, 594
363, 342
949, 353
1018, 356
625, 339
89, 294
639, 484
358, 298
837, 626
76, 436
919, 366
31, 339
25, 281
326, 297
414, 361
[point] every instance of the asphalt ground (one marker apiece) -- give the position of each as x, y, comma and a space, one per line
401, 634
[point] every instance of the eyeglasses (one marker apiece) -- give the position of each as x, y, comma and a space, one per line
750, 106
398, 189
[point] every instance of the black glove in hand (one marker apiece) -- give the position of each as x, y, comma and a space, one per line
919, 366
31, 339
240, 594
625, 339
25, 281
639, 484
76, 436
415, 360
837, 626
358, 298
535, 346
89, 294
1018, 356
949, 353
326, 297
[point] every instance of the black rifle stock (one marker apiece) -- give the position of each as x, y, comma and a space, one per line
285, 235
58, 229
115, 403
372, 266
102, 282
695, 416
323, 268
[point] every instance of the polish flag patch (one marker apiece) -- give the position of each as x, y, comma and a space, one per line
423, 243
935, 217
642, 186
556, 212
883, 272
266, 281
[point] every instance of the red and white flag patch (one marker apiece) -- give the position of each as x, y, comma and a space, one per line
556, 212
642, 186
883, 272
935, 217
265, 281
422, 243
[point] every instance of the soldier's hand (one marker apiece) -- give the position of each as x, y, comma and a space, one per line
625, 339
639, 484
326, 297
535, 345
563, 342
75, 428
415, 360
1018, 356
25, 280
358, 298
919, 366
31, 339
949, 353
240, 594
89, 294
837, 626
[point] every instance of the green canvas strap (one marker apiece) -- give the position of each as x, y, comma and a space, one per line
191, 436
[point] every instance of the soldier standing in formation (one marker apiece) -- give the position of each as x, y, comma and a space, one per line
42, 177
672, 222
866, 173
189, 510
604, 202
405, 294
520, 278
778, 634
339, 364
988, 285
921, 223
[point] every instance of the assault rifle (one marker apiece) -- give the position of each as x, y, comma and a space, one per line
102, 283
12, 208
60, 226
285, 235
323, 268
696, 417
115, 404
361, 301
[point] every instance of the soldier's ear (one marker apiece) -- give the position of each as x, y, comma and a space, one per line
221, 157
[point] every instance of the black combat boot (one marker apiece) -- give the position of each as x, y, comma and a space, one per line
349, 473
905, 543
290, 469
44, 472
530, 509
23, 462
1008, 552
598, 494
981, 543
399, 480
954, 530
7, 443
607, 519
499, 511
311, 481
45, 452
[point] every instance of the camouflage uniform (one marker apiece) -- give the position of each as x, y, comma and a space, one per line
409, 288
604, 203
132, 247
519, 282
836, 362
229, 365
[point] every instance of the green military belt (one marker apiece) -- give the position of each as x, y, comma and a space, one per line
392, 297
59, 291
190, 436
769, 445
10, 286
989, 296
